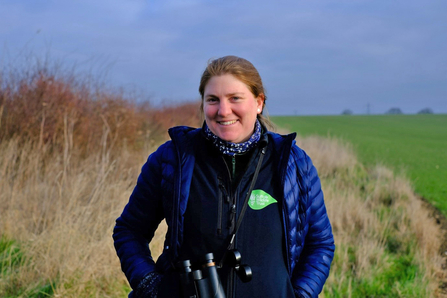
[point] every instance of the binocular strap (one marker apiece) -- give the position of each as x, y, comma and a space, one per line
244, 207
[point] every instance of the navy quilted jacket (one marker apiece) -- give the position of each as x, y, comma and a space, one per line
162, 192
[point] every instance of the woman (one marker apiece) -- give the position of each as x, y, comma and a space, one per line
230, 185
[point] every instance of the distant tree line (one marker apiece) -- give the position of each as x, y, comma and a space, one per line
426, 111
393, 111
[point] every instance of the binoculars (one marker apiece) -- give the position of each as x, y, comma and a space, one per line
205, 282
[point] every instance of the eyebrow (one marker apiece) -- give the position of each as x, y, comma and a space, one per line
229, 94
235, 93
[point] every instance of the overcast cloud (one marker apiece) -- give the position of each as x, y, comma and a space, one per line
315, 57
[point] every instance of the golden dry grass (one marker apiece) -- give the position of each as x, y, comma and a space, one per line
62, 212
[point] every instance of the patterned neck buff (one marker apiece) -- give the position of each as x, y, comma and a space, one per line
232, 149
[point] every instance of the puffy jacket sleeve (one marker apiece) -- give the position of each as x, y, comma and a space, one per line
136, 226
312, 267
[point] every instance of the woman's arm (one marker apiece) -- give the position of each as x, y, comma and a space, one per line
312, 269
136, 226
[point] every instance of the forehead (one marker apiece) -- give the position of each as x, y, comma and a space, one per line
226, 83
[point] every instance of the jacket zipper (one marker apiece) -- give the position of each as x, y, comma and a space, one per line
233, 163
219, 214
231, 199
222, 193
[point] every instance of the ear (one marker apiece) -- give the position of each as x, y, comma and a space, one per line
260, 103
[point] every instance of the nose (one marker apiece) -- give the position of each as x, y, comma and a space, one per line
224, 108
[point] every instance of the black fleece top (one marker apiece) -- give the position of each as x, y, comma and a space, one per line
218, 189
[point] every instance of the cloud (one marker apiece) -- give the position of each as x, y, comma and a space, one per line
311, 54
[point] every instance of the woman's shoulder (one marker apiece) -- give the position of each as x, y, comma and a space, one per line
182, 140
181, 135
183, 132
280, 140
287, 143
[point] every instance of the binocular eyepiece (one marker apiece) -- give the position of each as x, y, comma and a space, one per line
205, 282
201, 283
234, 259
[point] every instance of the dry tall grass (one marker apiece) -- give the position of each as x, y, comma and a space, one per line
62, 215
62, 212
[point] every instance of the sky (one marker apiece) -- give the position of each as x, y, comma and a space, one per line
316, 57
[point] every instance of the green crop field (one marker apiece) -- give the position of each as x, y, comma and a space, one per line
413, 144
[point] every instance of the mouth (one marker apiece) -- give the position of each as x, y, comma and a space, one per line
226, 123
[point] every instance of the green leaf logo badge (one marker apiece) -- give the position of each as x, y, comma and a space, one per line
259, 199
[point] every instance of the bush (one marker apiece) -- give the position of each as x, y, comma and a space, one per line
426, 111
49, 109
394, 111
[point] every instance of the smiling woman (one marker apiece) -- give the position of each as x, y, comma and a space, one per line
230, 192
230, 108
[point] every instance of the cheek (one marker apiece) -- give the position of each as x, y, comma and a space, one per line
208, 111
250, 112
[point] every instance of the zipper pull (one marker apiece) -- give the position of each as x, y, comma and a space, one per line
224, 190
232, 217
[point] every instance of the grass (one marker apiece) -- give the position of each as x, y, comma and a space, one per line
12, 259
386, 243
412, 144
10, 255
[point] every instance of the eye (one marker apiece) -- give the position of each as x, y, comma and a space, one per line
212, 99
235, 98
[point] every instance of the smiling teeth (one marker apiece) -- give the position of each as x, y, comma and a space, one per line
227, 122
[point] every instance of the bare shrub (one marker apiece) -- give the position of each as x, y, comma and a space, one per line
168, 116
43, 106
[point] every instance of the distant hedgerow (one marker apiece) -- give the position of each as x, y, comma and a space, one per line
55, 110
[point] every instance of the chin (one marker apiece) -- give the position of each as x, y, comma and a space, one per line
227, 139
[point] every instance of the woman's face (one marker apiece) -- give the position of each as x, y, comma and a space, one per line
230, 108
